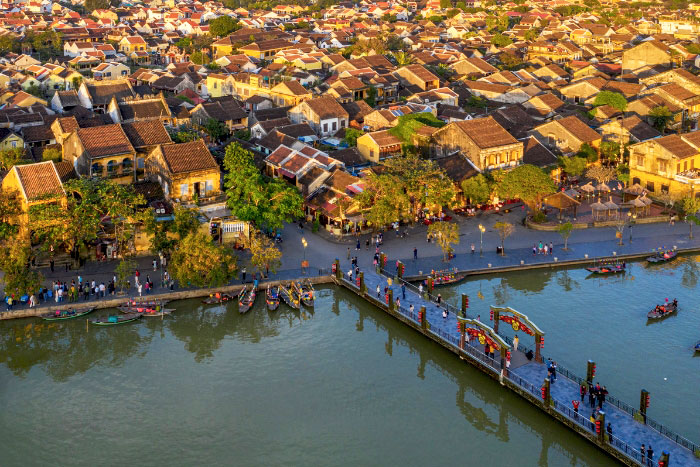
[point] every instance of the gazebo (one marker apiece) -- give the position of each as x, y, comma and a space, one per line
588, 188
596, 209
603, 187
560, 200
633, 190
636, 204
610, 206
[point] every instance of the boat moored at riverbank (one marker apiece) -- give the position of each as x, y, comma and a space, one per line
246, 299
116, 319
60, 315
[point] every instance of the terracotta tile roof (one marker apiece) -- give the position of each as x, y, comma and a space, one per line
65, 170
486, 132
536, 154
188, 157
580, 130
326, 107
676, 146
146, 133
143, 109
295, 163
105, 140
39, 180
102, 93
279, 155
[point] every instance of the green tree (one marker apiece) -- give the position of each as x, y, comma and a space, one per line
573, 166
452, 13
690, 206
201, 263
510, 61
446, 234
477, 189
565, 231
124, 272
18, 279
384, 200
158, 230
199, 58
9, 210
51, 154
11, 157
265, 255
501, 40
92, 5
660, 117
601, 174
223, 26
371, 98
402, 58
445, 4
8, 43
185, 221
216, 130
527, 182
254, 198
351, 135
532, 34
623, 173
48, 43
462, 6
610, 150
587, 152
505, 230
613, 99
184, 136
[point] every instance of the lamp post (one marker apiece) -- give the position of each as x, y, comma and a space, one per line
481, 241
632, 218
304, 244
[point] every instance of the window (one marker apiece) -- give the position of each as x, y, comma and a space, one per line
209, 187
685, 166
650, 186
692, 164
215, 84
110, 167
183, 189
636, 181
96, 169
13, 144
640, 159
664, 189
342, 124
325, 127
678, 168
126, 165
334, 126
661, 165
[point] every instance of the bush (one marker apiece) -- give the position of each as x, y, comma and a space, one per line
538, 217
315, 226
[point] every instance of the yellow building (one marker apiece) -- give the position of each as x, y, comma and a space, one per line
245, 85
667, 165
34, 184
265, 49
102, 151
378, 145
10, 140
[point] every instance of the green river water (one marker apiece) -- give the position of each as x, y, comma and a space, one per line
344, 385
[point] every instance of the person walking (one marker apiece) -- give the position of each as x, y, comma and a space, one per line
420, 288
551, 248
415, 254
516, 341
609, 429
155, 265
398, 303
367, 244
444, 314
139, 288
357, 247
137, 274
582, 390
439, 299
650, 455
379, 291
575, 403
554, 370
603, 393
545, 249
403, 291
591, 397
534, 249
642, 450
410, 308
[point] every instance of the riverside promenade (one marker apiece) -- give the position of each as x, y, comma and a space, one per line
522, 375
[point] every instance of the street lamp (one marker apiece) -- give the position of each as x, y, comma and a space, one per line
304, 244
632, 218
481, 241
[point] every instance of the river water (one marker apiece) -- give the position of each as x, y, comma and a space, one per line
346, 385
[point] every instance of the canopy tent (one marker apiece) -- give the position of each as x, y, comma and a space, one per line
633, 191
588, 188
602, 187
610, 206
561, 201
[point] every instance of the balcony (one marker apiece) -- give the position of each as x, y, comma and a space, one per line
689, 177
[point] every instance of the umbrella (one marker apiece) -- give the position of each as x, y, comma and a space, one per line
602, 187
635, 189
597, 207
588, 188
610, 206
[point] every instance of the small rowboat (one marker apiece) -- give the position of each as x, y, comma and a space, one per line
217, 298
272, 298
289, 297
143, 303
607, 269
148, 311
697, 347
116, 319
246, 299
662, 257
60, 315
446, 277
668, 309
304, 292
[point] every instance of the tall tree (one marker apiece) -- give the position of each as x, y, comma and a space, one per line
660, 117
9, 210
265, 255
565, 231
223, 26
573, 166
124, 271
446, 234
613, 99
477, 189
200, 262
601, 174
505, 230
11, 157
527, 182
690, 206
185, 221
18, 279
255, 198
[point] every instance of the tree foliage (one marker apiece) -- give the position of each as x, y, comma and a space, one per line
268, 203
527, 182
11, 157
505, 230
51, 154
185, 221
9, 210
18, 279
588, 152
223, 26
124, 271
573, 166
565, 231
265, 255
501, 40
601, 174
216, 129
690, 206
477, 189
660, 117
610, 150
351, 135
613, 99
446, 234
201, 263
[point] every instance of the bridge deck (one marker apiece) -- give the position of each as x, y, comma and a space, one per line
628, 434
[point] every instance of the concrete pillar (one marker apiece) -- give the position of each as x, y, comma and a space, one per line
423, 318
363, 286
496, 320
338, 271
400, 270
382, 261
644, 404
664, 459
390, 295
546, 393
538, 348
465, 304
590, 372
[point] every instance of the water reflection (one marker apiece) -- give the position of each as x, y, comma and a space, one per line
526, 281
64, 350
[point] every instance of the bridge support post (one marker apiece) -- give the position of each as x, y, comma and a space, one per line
430, 285
539, 341
465, 305
423, 318
462, 335
338, 271
644, 404
496, 319
390, 299
663, 460
600, 427
363, 286
546, 393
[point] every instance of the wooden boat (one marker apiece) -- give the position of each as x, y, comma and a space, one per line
662, 257
605, 269
116, 319
697, 347
308, 294
217, 298
138, 302
60, 315
289, 297
272, 297
148, 310
246, 299
668, 308
446, 277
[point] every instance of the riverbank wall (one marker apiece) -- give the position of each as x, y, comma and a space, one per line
118, 300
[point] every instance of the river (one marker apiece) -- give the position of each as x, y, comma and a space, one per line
344, 385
